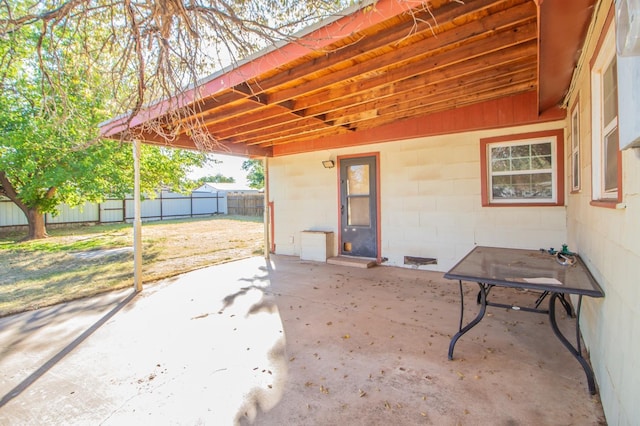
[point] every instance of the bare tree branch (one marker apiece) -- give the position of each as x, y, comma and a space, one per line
157, 49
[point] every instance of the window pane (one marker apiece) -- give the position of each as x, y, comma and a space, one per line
358, 211
500, 166
502, 187
500, 152
611, 161
541, 185
538, 163
541, 149
521, 151
358, 180
576, 169
521, 164
610, 93
575, 150
523, 186
574, 130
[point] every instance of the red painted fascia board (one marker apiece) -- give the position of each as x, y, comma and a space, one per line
509, 111
562, 29
322, 37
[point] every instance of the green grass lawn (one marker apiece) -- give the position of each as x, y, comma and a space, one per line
82, 261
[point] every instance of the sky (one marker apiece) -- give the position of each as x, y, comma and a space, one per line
231, 166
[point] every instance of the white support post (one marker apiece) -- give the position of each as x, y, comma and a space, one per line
265, 167
137, 222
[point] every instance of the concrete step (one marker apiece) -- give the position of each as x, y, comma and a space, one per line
356, 262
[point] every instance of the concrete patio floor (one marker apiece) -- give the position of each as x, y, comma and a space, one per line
289, 342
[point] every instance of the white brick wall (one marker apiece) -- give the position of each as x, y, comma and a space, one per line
431, 207
430, 200
609, 241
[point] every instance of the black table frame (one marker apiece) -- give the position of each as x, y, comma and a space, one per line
557, 292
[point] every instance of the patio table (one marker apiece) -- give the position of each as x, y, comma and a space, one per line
526, 269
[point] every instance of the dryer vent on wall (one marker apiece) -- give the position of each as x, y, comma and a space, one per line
419, 261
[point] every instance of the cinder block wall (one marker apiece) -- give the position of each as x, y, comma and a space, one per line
609, 241
430, 200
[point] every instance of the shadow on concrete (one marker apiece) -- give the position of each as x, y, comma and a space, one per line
28, 381
290, 342
21, 327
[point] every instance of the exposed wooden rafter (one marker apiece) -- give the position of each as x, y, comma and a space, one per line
405, 66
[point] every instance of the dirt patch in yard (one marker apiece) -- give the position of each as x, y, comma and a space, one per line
83, 261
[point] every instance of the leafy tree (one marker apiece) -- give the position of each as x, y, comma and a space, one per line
49, 150
256, 173
66, 65
154, 49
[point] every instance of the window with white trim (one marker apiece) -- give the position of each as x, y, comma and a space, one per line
522, 171
604, 110
575, 148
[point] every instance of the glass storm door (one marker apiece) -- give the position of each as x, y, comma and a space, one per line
358, 207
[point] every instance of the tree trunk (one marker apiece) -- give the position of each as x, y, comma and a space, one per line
37, 228
35, 218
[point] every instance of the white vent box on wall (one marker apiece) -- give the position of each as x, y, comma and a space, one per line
629, 101
628, 46
316, 245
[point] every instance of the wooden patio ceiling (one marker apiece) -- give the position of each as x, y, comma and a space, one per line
383, 65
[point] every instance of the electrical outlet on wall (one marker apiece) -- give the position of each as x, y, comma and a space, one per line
290, 239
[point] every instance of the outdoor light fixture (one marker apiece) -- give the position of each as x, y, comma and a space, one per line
328, 164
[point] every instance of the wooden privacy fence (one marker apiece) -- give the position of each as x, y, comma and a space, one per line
245, 204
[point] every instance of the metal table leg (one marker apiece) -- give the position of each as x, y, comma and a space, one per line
476, 320
488, 290
576, 351
541, 298
566, 304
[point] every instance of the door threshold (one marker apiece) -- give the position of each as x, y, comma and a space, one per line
356, 262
